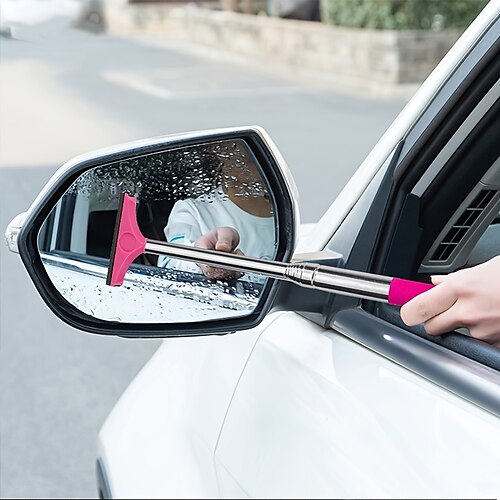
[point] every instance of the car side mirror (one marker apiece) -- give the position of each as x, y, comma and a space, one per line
185, 186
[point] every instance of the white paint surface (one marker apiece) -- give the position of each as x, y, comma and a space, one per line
318, 416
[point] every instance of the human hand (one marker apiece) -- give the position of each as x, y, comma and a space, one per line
224, 239
467, 298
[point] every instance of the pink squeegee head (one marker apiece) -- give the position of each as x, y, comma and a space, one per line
402, 291
128, 242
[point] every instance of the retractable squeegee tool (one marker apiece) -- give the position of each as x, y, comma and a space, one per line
129, 243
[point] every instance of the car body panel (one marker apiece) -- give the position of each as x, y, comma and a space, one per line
159, 439
317, 415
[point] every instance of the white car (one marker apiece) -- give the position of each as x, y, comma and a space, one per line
320, 394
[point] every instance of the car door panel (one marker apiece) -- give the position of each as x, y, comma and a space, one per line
160, 437
318, 415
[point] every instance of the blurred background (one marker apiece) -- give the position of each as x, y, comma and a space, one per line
324, 78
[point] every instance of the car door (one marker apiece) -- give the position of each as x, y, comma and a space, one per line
347, 401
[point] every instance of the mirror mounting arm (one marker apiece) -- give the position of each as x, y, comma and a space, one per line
12, 232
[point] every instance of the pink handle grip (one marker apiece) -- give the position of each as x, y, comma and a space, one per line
402, 291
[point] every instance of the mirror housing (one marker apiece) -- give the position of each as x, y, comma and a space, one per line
24, 233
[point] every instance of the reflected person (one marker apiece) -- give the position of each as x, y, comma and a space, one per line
235, 218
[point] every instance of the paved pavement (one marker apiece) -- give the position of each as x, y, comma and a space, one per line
64, 92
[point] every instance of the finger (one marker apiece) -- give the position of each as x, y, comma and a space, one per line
210, 272
219, 273
493, 340
224, 239
444, 322
429, 304
227, 239
208, 240
438, 279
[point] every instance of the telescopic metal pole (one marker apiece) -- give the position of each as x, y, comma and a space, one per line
326, 278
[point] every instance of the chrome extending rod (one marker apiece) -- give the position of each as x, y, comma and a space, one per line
307, 274
341, 281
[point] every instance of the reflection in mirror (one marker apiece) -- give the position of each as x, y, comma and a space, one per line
211, 196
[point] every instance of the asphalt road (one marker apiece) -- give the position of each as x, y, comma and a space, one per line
64, 92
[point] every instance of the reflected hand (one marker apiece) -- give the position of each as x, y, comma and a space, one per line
224, 239
467, 298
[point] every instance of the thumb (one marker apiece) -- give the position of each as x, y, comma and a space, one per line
227, 239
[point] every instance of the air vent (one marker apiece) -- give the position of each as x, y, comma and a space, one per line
459, 230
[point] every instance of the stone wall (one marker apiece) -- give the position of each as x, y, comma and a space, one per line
357, 57
147, 19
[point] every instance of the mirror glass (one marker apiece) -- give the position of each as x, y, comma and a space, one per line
189, 196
